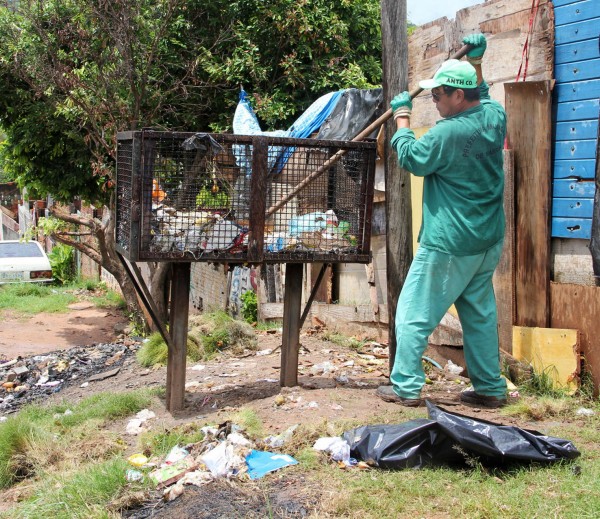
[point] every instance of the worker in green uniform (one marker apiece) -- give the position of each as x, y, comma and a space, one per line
461, 162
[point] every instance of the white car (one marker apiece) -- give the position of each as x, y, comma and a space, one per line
23, 261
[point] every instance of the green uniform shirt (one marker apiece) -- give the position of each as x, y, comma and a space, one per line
461, 161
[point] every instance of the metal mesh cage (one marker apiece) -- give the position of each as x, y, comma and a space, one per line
231, 198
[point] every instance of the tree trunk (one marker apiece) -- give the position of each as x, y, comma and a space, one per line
397, 181
98, 243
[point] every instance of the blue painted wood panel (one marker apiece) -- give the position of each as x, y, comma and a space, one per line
576, 130
577, 12
567, 188
579, 51
560, 3
580, 228
573, 32
575, 169
573, 207
578, 91
577, 110
575, 150
578, 71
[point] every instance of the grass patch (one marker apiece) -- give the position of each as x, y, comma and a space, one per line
18, 437
530, 491
160, 442
542, 408
154, 351
83, 493
543, 384
109, 299
249, 421
218, 331
41, 437
264, 326
208, 334
344, 341
32, 298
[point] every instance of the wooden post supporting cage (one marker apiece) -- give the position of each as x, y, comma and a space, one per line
239, 200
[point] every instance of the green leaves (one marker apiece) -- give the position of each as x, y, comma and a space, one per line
73, 74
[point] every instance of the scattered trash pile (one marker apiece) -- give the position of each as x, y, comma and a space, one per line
26, 379
444, 439
225, 452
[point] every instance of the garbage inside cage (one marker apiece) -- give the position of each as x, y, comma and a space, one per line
213, 197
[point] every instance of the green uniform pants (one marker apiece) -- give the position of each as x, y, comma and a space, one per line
435, 281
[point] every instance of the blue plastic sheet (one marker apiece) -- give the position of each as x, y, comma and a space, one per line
262, 462
246, 123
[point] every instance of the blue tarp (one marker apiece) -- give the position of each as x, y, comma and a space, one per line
246, 123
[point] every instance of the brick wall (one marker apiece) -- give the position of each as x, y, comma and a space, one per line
208, 287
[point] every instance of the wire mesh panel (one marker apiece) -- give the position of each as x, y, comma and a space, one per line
231, 198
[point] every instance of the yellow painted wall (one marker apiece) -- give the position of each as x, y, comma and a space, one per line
551, 351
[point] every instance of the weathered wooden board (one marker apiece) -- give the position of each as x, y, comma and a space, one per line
575, 169
578, 11
505, 25
580, 149
573, 52
551, 351
578, 130
528, 107
573, 188
573, 207
574, 32
578, 307
578, 90
504, 276
579, 228
577, 110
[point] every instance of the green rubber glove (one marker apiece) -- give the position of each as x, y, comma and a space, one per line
479, 44
401, 105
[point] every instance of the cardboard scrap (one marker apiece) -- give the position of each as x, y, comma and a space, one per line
169, 474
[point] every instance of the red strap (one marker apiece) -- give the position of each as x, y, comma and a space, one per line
535, 4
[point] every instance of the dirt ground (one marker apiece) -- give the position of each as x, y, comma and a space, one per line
335, 383
83, 324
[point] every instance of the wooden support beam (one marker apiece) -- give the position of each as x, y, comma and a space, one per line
528, 108
313, 293
397, 181
180, 295
504, 276
292, 304
258, 195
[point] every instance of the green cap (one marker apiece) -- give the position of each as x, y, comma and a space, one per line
454, 73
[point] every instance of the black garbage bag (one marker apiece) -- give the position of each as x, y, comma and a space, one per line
449, 439
202, 142
356, 109
501, 443
413, 444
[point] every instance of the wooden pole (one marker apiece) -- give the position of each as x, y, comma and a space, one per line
398, 212
180, 296
292, 304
